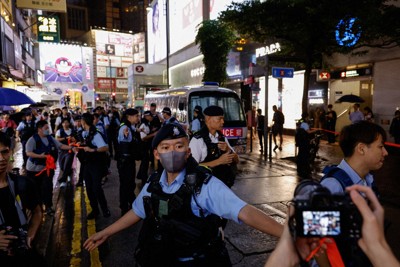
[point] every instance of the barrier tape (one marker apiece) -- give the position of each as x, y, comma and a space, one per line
336, 133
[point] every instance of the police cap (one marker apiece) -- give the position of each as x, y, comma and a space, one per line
213, 111
168, 132
167, 110
131, 111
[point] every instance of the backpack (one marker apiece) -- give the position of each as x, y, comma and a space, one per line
343, 178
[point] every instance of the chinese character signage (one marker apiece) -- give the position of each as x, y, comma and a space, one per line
48, 29
47, 5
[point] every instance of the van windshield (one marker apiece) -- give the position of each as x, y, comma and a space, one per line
230, 102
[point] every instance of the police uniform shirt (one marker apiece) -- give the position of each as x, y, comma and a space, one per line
195, 125
97, 141
59, 119
101, 127
305, 126
31, 146
21, 125
214, 198
335, 186
122, 137
199, 148
68, 132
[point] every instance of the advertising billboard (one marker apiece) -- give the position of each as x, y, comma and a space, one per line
185, 15
61, 63
216, 6
156, 32
48, 5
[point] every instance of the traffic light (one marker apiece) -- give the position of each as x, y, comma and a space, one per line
113, 96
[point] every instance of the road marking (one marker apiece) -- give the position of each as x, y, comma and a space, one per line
91, 228
76, 234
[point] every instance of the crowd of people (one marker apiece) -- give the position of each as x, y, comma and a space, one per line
185, 204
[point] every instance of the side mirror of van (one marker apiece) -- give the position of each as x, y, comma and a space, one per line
181, 106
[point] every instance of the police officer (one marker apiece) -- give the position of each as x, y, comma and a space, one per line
95, 165
38, 147
211, 148
128, 137
65, 134
181, 211
64, 115
26, 128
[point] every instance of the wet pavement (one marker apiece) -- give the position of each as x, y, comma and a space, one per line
264, 184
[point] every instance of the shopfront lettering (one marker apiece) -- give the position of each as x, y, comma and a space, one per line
267, 50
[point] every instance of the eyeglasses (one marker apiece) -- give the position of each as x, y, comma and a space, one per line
5, 152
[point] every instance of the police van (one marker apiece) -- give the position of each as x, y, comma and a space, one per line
182, 101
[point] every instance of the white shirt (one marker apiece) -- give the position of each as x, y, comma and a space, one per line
199, 147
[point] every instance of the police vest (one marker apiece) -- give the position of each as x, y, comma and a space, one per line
28, 130
224, 172
170, 230
41, 148
132, 148
100, 157
63, 134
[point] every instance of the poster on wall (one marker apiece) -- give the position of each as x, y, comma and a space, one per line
184, 16
62, 63
156, 32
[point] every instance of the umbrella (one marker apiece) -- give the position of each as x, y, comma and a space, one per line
6, 108
13, 97
38, 105
350, 98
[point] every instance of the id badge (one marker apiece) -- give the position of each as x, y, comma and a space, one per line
163, 208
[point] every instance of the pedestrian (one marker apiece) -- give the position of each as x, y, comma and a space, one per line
331, 118
182, 212
368, 114
38, 148
302, 138
394, 129
18, 197
25, 130
260, 128
277, 127
356, 115
129, 146
8, 126
362, 144
211, 148
95, 166
65, 157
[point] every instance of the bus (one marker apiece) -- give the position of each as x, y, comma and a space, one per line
182, 101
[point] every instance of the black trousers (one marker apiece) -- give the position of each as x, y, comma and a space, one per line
144, 164
331, 136
127, 171
65, 160
93, 172
260, 138
24, 156
303, 162
44, 186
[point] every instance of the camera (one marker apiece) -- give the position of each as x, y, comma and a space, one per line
19, 245
319, 213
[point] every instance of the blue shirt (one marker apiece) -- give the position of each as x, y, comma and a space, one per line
335, 186
214, 198
195, 125
97, 141
121, 136
356, 116
101, 127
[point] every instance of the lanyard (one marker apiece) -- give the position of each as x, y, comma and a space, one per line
20, 212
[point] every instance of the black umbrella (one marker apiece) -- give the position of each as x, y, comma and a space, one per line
350, 98
38, 105
12, 97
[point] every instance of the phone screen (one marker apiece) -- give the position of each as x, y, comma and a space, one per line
321, 223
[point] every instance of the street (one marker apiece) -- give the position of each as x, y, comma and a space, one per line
268, 186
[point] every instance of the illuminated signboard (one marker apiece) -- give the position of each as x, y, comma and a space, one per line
343, 74
48, 29
267, 50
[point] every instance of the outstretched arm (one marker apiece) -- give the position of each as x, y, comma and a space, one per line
130, 218
259, 220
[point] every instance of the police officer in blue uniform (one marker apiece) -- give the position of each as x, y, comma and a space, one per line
26, 128
128, 140
95, 165
181, 210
